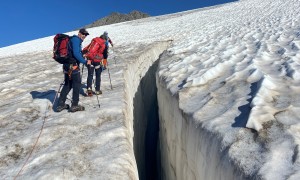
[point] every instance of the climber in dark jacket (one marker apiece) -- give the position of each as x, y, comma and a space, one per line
105, 52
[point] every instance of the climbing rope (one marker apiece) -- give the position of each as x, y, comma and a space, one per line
44, 120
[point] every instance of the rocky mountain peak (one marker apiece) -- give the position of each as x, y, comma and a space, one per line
116, 17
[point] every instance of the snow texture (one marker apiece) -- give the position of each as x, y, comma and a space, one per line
228, 92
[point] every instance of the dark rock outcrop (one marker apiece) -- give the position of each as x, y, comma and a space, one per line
117, 18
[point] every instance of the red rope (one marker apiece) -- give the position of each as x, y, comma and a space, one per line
33, 146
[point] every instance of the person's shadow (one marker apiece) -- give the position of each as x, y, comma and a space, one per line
50, 95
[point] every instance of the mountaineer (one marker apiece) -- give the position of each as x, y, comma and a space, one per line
105, 53
94, 55
72, 78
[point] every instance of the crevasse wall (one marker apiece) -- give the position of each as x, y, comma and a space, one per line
136, 68
188, 151
145, 126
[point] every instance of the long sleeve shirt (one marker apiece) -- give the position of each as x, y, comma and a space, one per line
76, 47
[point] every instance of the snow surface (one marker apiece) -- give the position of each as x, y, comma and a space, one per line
234, 70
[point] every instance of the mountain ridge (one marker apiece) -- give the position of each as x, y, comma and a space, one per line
116, 17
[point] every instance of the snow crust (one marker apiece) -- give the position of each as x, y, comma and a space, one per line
233, 71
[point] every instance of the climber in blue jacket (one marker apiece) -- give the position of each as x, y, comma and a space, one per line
72, 75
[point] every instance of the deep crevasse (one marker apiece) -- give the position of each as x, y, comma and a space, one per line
189, 151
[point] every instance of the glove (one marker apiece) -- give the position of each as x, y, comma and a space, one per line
84, 52
89, 62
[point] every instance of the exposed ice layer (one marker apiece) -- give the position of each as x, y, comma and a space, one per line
188, 151
240, 82
137, 67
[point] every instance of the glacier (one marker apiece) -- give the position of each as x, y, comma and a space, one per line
223, 82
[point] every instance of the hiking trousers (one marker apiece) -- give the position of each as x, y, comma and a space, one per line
73, 83
98, 69
105, 52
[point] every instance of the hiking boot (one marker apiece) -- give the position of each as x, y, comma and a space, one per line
89, 92
98, 92
62, 107
76, 108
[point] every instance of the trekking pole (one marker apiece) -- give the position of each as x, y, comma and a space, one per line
81, 72
97, 95
109, 76
61, 84
98, 101
114, 55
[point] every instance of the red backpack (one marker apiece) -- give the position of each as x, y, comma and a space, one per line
94, 51
62, 49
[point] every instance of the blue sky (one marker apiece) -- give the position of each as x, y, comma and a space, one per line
25, 20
